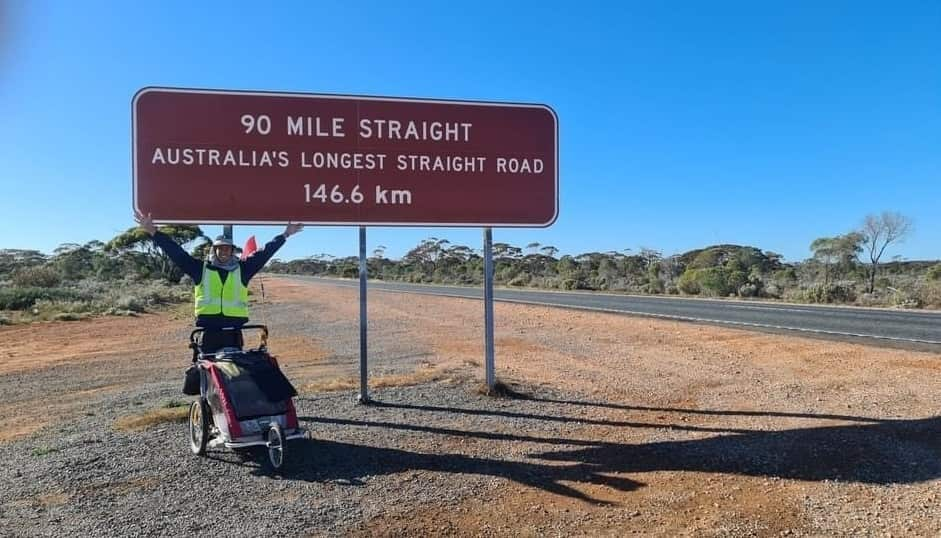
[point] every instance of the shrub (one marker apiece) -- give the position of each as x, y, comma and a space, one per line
732, 280
829, 293
687, 283
785, 278
130, 302
139, 296
16, 298
928, 294
51, 307
655, 285
934, 273
520, 280
712, 281
117, 312
772, 290
69, 316
748, 290
36, 277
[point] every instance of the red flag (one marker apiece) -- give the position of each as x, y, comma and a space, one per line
250, 247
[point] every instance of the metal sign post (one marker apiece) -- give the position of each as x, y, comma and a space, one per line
488, 308
363, 388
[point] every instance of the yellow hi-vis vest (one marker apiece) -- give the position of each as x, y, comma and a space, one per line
214, 298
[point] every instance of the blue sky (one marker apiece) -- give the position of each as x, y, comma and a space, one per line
682, 124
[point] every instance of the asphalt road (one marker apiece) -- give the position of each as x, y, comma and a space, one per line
903, 327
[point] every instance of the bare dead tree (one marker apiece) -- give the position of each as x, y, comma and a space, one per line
880, 231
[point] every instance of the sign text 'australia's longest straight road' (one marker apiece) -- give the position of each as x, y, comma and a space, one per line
207, 156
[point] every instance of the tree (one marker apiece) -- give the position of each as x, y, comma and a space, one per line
837, 254
12, 259
136, 242
880, 231
549, 251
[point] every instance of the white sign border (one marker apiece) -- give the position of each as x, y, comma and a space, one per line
148, 89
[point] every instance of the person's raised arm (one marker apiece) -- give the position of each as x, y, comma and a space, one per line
188, 264
292, 228
256, 261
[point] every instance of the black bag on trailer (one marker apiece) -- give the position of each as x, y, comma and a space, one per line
191, 381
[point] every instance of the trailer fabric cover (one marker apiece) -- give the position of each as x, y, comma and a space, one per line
243, 390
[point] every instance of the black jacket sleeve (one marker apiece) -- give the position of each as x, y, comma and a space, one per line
256, 261
188, 264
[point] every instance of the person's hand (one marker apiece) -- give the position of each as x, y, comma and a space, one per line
145, 222
292, 228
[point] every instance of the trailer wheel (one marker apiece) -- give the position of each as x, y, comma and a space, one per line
199, 426
275, 446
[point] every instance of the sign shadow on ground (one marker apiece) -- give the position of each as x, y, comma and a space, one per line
873, 451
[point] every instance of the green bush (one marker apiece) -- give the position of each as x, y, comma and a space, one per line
928, 294
35, 277
51, 307
688, 284
829, 293
16, 298
934, 273
140, 296
712, 281
733, 280
656, 286
119, 312
69, 316
772, 290
520, 280
748, 290
130, 302
715, 281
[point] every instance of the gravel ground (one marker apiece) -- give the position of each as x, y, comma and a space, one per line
631, 427
85, 479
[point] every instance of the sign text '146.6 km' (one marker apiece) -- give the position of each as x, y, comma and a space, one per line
319, 193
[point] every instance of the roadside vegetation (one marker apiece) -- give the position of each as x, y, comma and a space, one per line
125, 276
128, 275
844, 269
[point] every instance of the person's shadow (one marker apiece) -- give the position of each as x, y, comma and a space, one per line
872, 451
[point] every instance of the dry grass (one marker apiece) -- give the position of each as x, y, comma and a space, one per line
54, 499
502, 390
152, 418
331, 385
423, 375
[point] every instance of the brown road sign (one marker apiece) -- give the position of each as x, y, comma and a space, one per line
210, 156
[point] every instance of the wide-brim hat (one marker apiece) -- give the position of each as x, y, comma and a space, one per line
223, 241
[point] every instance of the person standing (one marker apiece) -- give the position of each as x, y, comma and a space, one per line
220, 283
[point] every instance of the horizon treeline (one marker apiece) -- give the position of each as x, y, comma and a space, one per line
714, 271
847, 269
128, 274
